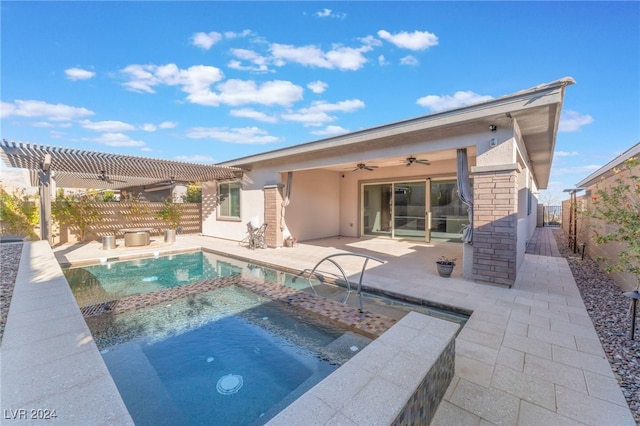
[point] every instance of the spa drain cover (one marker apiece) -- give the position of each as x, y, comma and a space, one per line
231, 383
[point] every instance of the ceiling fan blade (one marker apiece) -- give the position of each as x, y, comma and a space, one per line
363, 166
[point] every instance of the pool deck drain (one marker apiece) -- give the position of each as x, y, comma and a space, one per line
366, 323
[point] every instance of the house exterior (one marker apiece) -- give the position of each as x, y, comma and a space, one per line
399, 180
602, 178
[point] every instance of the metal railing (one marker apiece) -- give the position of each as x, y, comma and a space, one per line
344, 275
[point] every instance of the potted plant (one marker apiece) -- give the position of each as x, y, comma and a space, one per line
445, 266
170, 213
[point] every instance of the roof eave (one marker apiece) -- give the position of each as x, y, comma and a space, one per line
546, 94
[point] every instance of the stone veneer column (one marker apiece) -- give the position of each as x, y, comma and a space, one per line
273, 200
495, 217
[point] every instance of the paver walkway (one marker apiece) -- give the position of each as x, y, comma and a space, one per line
543, 243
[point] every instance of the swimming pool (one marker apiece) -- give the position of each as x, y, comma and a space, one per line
226, 355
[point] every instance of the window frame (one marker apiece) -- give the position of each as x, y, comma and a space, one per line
226, 215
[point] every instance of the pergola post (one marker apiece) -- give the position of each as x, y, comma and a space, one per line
45, 199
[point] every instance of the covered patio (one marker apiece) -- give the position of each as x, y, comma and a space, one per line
407, 180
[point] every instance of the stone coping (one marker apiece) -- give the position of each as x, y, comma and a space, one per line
50, 364
375, 386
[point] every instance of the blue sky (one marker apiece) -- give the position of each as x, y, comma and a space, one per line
212, 81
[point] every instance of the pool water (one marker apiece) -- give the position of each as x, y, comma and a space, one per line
225, 357
113, 280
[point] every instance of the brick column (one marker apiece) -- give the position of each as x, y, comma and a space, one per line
273, 199
495, 217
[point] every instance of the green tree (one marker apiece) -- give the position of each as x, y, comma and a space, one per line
171, 213
619, 207
19, 213
106, 196
77, 211
194, 193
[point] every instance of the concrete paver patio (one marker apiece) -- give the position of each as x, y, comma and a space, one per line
528, 354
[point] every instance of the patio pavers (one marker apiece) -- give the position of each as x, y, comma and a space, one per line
536, 333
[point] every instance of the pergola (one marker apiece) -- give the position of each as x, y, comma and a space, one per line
77, 168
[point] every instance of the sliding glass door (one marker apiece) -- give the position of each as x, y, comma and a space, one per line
377, 209
449, 215
396, 209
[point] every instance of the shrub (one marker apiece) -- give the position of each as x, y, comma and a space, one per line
19, 213
77, 211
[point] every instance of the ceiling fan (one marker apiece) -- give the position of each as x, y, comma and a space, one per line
103, 177
411, 160
362, 166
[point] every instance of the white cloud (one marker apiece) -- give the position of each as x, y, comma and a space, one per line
370, 41
107, 126
258, 62
206, 40
382, 60
571, 121
409, 60
318, 113
348, 58
148, 127
565, 154
232, 35
330, 130
342, 106
167, 125
194, 80
79, 74
417, 40
117, 139
328, 13
317, 86
244, 135
239, 92
460, 98
204, 159
340, 57
53, 112
253, 114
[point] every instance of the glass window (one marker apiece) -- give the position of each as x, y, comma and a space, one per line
229, 204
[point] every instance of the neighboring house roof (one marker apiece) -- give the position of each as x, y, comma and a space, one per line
607, 169
536, 110
74, 168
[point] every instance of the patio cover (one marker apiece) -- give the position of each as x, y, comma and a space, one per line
75, 168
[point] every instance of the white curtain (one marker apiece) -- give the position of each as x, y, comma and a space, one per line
464, 192
285, 203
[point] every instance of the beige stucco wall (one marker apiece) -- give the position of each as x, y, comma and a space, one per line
314, 208
586, 227
251, 204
